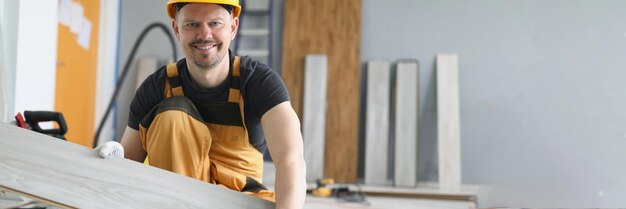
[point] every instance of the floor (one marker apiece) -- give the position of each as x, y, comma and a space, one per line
374, 202
319, 203
386, 203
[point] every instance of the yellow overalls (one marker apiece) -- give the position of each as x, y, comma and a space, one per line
177, 139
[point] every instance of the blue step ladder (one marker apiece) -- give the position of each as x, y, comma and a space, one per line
254, 38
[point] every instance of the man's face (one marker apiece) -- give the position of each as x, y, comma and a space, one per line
205, 32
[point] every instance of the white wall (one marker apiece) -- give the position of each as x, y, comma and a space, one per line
107, 64
9, 20
543, 97
3, 101
35, 55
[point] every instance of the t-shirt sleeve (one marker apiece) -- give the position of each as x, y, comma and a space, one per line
265, 89
149, 93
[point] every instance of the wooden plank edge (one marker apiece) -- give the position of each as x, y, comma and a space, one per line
27, 195
424, 195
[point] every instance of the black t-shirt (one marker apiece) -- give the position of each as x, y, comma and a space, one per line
261, 87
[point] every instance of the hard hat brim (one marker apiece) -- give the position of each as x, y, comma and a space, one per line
171, 5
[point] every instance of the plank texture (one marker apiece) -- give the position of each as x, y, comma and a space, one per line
314, 114
448, 122
377, 122
406, 118
333, 28
72, 176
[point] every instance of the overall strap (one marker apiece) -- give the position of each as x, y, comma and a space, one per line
173, 82
235, 86
234, 94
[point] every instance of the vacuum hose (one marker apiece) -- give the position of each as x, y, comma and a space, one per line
125, 71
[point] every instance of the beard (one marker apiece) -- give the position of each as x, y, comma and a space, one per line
207, 60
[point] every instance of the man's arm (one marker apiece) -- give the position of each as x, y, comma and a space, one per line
132, 145
284, 140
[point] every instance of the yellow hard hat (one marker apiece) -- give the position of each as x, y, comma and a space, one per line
171, 5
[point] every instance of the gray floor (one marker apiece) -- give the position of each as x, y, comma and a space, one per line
387, 202
313, 202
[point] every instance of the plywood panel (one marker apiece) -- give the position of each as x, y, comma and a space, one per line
313, 128
333, 28
406, 118
72, 176
75, 91
448, 122
377, 122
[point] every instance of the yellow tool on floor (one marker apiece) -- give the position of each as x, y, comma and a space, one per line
324, 187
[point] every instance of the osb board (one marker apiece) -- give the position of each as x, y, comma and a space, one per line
328, 27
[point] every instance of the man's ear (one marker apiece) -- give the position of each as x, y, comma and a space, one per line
234, 26
175, 28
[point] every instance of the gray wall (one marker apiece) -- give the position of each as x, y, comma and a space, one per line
542, 87
138, 14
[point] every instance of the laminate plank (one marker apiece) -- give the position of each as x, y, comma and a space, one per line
313, 130
377, 123
448, 122
406, 123
145, 67
68, 175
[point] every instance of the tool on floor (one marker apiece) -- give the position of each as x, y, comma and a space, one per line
324, 187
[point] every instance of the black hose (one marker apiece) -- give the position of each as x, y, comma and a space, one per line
125, 71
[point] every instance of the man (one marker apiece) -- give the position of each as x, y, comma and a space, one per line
210, 115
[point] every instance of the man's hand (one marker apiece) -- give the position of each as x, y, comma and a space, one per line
111, 148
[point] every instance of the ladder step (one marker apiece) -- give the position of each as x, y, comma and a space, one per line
254, 52
254, 32
257, 5
256, 12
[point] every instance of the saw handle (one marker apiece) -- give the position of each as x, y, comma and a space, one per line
33, 118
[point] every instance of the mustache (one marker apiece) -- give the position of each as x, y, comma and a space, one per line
208, 41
